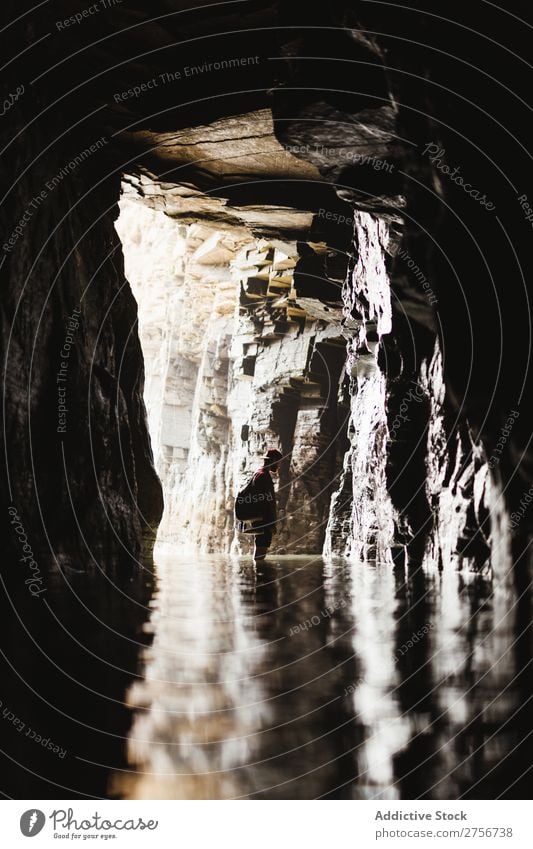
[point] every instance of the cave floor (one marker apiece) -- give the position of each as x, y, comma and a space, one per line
305, 678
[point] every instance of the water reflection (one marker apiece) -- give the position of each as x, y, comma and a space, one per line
67, 661
304, 679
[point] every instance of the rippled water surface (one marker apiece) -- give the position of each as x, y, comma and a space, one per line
302, 678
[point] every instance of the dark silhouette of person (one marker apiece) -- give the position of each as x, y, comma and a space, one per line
263, 489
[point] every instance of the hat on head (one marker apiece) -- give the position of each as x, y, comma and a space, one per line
273, 455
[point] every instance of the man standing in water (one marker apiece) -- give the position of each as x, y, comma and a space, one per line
263, 493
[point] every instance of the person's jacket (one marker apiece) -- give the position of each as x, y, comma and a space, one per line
263, 485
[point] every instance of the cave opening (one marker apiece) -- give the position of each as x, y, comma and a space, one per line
241, 353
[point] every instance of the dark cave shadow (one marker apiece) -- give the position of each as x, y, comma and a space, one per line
69, 658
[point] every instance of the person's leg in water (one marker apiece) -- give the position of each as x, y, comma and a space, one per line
262, 544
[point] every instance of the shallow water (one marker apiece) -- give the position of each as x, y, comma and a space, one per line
303, 678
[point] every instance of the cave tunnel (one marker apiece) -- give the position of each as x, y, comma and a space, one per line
234, 227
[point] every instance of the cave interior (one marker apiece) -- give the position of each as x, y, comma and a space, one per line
245, 204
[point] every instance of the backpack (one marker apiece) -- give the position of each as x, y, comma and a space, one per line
245, 506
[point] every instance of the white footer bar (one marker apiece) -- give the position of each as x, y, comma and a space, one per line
268, 824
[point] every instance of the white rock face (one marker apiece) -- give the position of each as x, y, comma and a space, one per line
187, 299
465, 523
361, 522
154, 265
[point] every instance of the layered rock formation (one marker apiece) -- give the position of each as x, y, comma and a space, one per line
235, 363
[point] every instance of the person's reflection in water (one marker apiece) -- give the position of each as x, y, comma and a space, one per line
307, 748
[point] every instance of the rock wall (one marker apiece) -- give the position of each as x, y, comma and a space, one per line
361, 521
79, 466
414, 487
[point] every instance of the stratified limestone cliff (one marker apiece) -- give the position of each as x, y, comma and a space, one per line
234, 365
